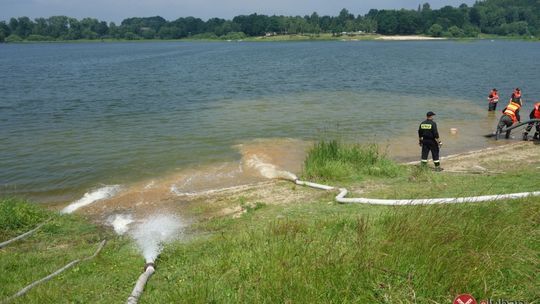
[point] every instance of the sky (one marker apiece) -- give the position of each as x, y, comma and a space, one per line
117, 10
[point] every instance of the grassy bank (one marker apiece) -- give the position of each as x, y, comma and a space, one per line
305, 252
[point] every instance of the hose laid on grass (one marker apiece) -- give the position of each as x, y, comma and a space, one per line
52, 275
141, 282
4, 244
313, 185
431, 201
340, 198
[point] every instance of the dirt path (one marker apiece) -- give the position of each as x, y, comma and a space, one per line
497, 159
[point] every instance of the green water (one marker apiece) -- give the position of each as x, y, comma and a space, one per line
78, 116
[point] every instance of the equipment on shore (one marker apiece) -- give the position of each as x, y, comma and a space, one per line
512, 127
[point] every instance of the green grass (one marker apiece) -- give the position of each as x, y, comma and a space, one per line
305, 252
336, 161
424, 183
104, 279
397, 255
17, 218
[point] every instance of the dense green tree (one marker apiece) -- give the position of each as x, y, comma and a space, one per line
387, 22
502, 17
24, 27
58, 26
4, 30
435, 30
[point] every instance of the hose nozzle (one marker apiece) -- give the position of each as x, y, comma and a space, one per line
149, 264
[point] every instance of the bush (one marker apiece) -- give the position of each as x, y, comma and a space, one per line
332, 160
39, 38
13, 38
205, 36
234, 36
131, 36
435, 30
455, 32
148, 34
471, 31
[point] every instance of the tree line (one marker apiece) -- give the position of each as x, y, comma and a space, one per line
500, 17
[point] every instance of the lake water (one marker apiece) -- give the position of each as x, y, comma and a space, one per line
78, 116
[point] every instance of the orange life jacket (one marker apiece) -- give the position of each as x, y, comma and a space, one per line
511, 110
493, 97
537, 110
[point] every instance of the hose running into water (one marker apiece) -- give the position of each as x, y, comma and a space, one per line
514, 127
520, 124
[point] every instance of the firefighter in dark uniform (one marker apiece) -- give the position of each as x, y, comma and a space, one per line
429, 140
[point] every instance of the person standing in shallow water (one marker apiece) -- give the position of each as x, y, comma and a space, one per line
493, 99
428, 138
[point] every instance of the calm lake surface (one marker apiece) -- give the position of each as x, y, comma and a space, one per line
77, 116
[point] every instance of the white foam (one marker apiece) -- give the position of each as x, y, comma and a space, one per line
269, 170
120, 222
91, 197
154, 231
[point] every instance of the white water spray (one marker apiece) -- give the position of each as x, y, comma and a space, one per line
91, 197
156, 230
120, 222
150, 236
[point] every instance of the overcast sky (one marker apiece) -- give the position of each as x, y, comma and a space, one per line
117, 10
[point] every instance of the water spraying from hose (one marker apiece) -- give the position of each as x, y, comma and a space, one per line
120, 223
154, 232
150, 237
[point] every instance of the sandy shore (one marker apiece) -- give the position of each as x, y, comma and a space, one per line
407, 38
233, 201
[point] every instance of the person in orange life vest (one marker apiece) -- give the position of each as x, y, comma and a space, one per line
493, 98
535, 114
516, 95
510, 116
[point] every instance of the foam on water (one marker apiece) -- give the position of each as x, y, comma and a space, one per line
120, 222
154, 231
268, 170
92, 197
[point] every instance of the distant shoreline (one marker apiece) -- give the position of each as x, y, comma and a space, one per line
292, 38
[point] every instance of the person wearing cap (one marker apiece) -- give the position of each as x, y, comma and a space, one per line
510, 116
428, 138
493, 98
